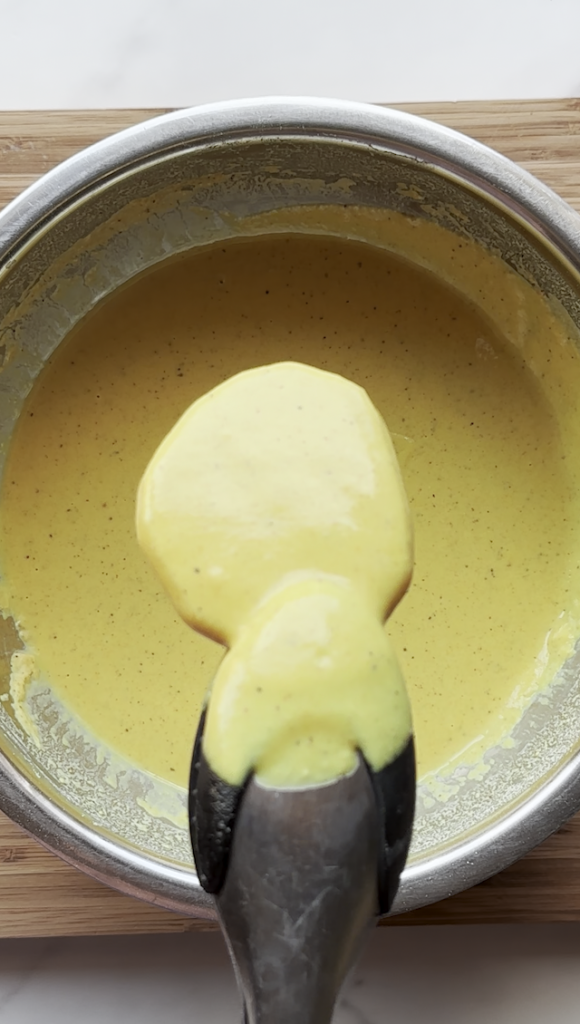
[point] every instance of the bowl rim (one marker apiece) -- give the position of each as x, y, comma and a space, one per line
449, 153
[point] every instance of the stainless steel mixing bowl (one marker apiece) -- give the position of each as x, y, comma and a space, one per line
189, 178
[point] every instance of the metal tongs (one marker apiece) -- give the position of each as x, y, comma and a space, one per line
299, 877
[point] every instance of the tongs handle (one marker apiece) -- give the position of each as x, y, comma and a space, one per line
300, 894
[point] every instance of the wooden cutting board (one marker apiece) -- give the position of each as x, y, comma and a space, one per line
39, 894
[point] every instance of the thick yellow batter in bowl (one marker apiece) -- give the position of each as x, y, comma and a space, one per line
484, 428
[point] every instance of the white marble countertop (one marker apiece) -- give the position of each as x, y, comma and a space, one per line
499, 974
148, 53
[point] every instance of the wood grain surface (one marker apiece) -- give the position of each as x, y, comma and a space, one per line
41, 895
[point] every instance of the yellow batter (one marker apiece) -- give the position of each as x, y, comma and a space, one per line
480, 438
275, 515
